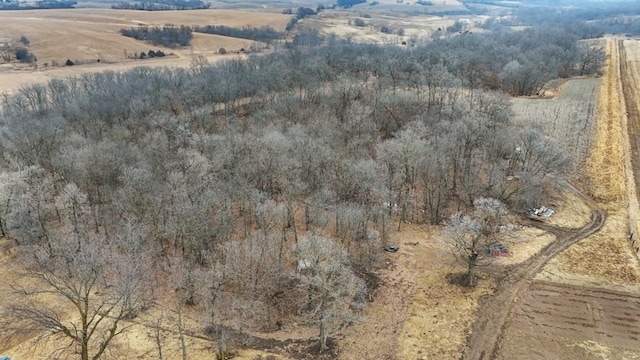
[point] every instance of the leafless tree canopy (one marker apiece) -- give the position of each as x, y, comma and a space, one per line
470, 236
208, 184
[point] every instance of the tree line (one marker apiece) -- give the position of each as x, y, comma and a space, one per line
43, 4
170, 36
260, 190
162, 5
266, 34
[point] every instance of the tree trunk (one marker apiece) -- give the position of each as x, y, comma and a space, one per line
183, 345
158, 336
323, 337
471, 272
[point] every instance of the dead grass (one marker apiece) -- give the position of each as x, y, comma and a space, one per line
526, 244
91, 34
605, 352
440, 317
631, 57
439, 314
604, 259
605, 166
570, 212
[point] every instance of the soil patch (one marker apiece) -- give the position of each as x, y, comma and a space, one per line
551, 319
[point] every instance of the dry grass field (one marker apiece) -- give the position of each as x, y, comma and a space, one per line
86, 35
630, 75
412, 18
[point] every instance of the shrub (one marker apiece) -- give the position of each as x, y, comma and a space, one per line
24, 56
292, 24
359, 23
304, 12
222, 51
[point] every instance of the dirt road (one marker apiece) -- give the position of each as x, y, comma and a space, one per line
496, 309
629, 54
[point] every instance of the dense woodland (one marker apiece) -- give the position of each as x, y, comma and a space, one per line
222, 184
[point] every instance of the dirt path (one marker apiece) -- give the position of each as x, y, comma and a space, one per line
629, 75
496, 309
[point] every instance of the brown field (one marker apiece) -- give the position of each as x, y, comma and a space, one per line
557, 321
86, 35
408, 16
89, 34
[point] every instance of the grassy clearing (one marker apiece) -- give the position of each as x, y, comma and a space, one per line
571, 212
527, 243
440, 317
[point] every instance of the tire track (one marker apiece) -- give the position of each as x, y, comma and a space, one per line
494, 311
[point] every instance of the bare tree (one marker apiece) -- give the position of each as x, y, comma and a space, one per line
590, 58
67, 280
331, 285
471, 236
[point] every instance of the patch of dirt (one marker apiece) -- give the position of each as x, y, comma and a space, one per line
551, 319
441, 316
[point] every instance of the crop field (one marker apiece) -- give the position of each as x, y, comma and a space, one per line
567, 117
86, 35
